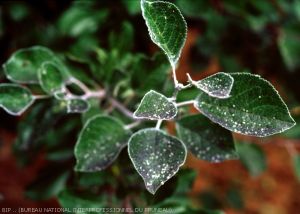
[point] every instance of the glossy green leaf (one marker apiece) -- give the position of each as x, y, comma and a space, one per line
252, 157
156, 156
99, 143
23, 65
218, 85
15, 99
50, 78
155, 106
253, 108
166, 26
206, 140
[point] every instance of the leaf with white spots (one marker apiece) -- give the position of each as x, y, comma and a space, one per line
206, 140
253, 108
15, 99
218, 85
155, 106
23, 65
77, 105
99, 143
50, 78
156, 156
166, 26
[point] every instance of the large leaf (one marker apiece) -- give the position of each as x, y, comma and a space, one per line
155, 106
206, 140
252, 157
15, 99
218, 85
23, 65
156, 156
166, 26
50, 78
99, 143
253, 108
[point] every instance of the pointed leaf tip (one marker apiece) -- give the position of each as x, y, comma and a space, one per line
156, 156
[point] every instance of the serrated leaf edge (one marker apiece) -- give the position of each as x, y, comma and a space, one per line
173, 64
268, 83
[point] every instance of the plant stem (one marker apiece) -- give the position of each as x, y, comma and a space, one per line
133, 125
158, 124
80, 84
188, 102
121, 108
39, 97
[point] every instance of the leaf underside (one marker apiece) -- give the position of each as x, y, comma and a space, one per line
99, 143
155, 106
253, 108
206, 140
156, 156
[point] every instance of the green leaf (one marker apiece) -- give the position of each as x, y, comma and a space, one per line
206, 140
23, 65
296, 164
252, 157
253, 108
155, 106
156, 156
218, 85
50, 78
288, 44
77, 105
99, 143
15, 99
166, 26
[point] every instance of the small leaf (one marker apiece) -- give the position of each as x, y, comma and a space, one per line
155, 106
15, 99
23, 65
50, 78
166, 26
77, 105
99, 143
156, 156
252, 157
218, 85
206, 140
253, 108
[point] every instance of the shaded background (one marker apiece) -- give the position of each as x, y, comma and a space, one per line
261, 37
